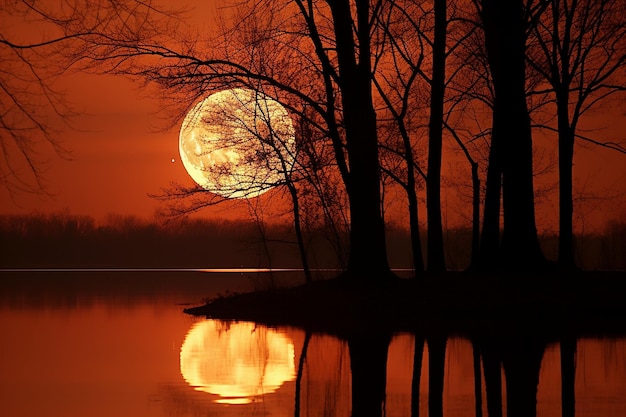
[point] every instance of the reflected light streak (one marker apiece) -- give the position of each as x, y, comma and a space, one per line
210, 270
239, 362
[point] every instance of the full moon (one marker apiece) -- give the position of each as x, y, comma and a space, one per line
238, 362
237, 143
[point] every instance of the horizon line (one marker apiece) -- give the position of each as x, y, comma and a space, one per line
208, 270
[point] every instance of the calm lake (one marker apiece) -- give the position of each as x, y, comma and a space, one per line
117, 343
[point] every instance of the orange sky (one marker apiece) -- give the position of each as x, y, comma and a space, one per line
115, 161
119, 156
119, 150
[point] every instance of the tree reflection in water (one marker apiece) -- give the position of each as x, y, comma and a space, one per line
481, 375
436, 371
368, 364
568, 375
520, 356
418, 355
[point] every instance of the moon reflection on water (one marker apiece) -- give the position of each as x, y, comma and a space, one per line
239, 362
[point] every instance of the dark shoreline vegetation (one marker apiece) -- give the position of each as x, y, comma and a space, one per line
65, 240
549, 306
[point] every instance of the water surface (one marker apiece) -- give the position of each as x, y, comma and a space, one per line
118, 344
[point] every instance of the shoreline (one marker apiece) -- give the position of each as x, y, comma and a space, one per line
582, 302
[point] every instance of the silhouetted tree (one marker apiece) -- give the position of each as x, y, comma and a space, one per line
476, 195
469, 98
480, 91
579, 48
416, 47
510, 159
263, 135
436, 260
322, 197
451, 29
275, 140
414, 35
337, 47
329, 42
395, 84
368, 256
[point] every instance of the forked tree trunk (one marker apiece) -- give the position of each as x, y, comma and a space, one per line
368, 254
505, 38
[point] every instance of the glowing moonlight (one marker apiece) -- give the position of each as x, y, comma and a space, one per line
237, 143
239, 362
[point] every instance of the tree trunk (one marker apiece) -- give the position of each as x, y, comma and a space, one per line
411, 185
368, 254
566, 162
416, 243
293, 192
436, 260
475, 214
505, 38
490, 236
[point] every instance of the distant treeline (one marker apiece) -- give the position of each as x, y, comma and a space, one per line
66, 240
593, 251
